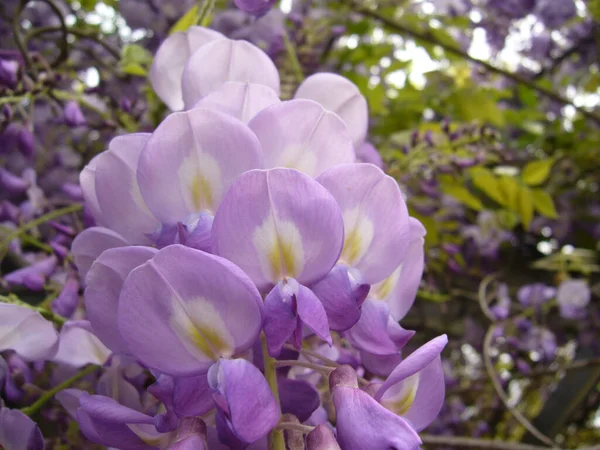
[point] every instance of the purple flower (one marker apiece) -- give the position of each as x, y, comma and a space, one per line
573, 296
501, 309
256, 7
554, 13
33, 276
73, 115
535, 294
367, 153
19, 432
8, 73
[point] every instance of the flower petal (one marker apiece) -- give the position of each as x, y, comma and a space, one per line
121, 203
298, 397
191, 160
367, 153
170, 59
339, 95
363, 423
18, 431
278, 223
104, 283
375, 218
26, 332
241, 100
192, 396
89, 245
79, 346
87, 180
182, 310
226, 60
322, 438
400, 288
301, 134
252, 409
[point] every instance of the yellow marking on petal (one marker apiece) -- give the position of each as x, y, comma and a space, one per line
279, 249
201, 193
201, 185
402, 401
384, 288
359, 234
202, 329
298, 157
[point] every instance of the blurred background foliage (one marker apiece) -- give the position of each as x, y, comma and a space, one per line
485, 111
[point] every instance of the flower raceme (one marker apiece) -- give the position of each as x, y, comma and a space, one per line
237, 246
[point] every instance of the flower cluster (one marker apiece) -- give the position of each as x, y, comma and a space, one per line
246, 272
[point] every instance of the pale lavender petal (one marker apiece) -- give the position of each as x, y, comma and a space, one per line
108, 410
339, 95
278, 223
113, 384
104, 283
69, 400
87, 180
399, 290
252, 411
89, 245
342, 295
123, 208
170, 59
182, 310
375, 215
367, 153
312, 313
301, 134
256, 7
225, 60
26, 332
280, 317
241, 100
380, 365
363, 423
18, 431
192, 396
79, 346
192, 159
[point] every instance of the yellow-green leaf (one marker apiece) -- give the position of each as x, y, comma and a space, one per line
463, 195
526, 206
485, 181
509, 189
543, 203
507, 219
134, 69
537, 172
189, 19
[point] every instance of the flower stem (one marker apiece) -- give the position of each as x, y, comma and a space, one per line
46, 313
291, 51
48, 395
276, 439
325, 370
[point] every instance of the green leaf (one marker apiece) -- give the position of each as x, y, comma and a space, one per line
189, 19
507, 219
509, 188
134, 69
526, 206
537, 172
485, 181
543, 203
463, 195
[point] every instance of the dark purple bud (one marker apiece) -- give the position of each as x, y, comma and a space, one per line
9, 211
11, 183
7, 112
66, 302
450, 249
125, 104
65, 229
73, 115
26, 141
455, 135
60, 250
73, 191
8, 73
414, 138
523, 367
446, 125
338, 30
429, 138
322, 438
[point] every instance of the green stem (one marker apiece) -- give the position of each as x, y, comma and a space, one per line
46, 313
276, 439
291, 51
205, 16
325, 370
48, 395
39, 221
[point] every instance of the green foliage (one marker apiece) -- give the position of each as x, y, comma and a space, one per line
537, 172
135, 60
190, 18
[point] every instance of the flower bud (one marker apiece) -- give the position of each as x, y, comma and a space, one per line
343, 376
321, 438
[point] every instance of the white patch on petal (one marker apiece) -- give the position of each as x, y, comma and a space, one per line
279, 248
201, 329
298, 157
383, 289
399, 398
359, 232
200, 178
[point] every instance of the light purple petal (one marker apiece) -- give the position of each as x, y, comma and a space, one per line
375, 215
363, 423
256, 7
400, 288
33, 276
312, 313
301, 134
339, 95
87, 180
191, 435
380, 365
104, 283
367, 153
225, 60
123, 208
113, 384
252, 410
281, 320
79, 346
322, 438
192, 396
89, 245
342, 295
182, 310
69, 400
191, 160
241, 100
19, 432
108, 410
26, 332
170, 59
415, 362
278, 223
